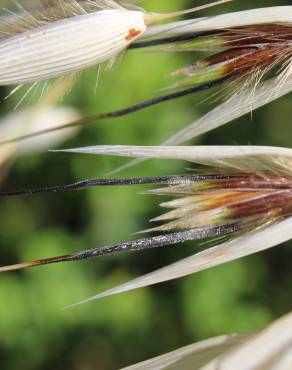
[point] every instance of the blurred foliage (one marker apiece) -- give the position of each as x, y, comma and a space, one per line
35, 333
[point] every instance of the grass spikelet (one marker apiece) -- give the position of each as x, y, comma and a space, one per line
70, 36
245, 197
252, 58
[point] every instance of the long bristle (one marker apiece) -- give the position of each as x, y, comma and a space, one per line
136, 245
122, 112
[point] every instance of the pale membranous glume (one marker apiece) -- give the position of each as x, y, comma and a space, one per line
69, 36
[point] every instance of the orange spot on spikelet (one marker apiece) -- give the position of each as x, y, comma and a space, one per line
132, 34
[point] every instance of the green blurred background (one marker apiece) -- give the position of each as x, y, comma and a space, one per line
244, 296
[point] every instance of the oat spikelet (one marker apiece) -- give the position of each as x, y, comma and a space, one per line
242, 200
69, 36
